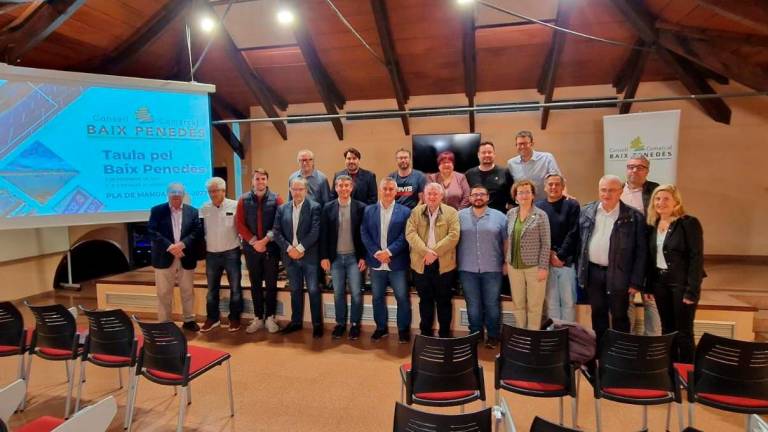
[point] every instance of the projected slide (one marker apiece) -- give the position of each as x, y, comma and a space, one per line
69, 149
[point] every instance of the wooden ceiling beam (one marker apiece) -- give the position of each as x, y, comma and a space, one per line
39, 22
549, 72
715, 35
750, 13
329, 93
621, 79
226, 131
644, 24
469, 55
387, 42
252, 80
634, 75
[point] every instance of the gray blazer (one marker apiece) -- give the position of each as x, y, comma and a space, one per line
535, 240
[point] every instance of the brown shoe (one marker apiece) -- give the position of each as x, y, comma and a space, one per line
209, 325
234, 325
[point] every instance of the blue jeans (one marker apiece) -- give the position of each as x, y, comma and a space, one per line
216, 263
343, 267
300, 272
398, 280
482, 291
561, 293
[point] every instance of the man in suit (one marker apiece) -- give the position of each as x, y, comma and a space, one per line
386, 253
297, 232
175, 228
342, 253
364, 180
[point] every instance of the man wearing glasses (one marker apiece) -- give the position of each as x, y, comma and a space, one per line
317, 182
482, 243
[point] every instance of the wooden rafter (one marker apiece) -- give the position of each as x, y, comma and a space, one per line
549, 72
644, 25
634, 74
39, 21
622, 77
329, 93
751, 13
226, 132
252, 80
469, 55
709, 34
390, 57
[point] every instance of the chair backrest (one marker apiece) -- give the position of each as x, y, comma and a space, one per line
94, 418
110, 332
445, 364
164, 348
11, 325
55, 327
634, 361
731, 367
10, 398
541, 425
534, 355
408, 419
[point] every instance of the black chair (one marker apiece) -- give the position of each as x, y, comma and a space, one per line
636, 370
535, 363
408, 419
730, 375
55, 338
13, 335
166, 359
110, 343
541, 425
443, 372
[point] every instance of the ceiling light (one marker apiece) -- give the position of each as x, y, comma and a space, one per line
285, 17
464, 2
207, 24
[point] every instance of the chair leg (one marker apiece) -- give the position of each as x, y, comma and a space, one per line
748, 426
182, 408
645, 418
598, 422
174, 391
402, 392
461, 408
560, 403
28, 374
128, 396
70, 383
575, 412
21, 367
690, 414
680, 424
80, 386
189, 394
229, 387
66, 365
132, 401
120, 377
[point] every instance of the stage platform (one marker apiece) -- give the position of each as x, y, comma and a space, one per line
719, 311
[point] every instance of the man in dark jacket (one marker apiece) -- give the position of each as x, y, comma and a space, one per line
343, 254
364, 181
612, 256
297, 232
175, 229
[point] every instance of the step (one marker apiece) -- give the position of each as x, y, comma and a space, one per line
760, 323
756, 299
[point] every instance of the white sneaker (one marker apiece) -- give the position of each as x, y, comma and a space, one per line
255, 326
272, 326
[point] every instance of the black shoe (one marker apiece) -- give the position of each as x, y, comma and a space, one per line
354, 332
404, 336
290, 328
491, 342
191, 326
429, 333
378, 334
317, 331
338, 331
444, 334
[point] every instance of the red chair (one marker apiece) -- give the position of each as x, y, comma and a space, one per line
443, 372
535, 363
110, 343
13, 335
166, 359
94, 418
730, 375
55, 338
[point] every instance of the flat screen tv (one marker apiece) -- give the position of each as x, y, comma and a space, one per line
427, 147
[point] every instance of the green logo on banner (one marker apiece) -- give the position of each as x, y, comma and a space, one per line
637, 144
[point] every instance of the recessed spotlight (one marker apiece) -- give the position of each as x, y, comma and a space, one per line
464, 2
207, 24
285, 17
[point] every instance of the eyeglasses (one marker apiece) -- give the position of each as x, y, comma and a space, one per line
176, 192
524, 192
479, 195
637, 167
306, 160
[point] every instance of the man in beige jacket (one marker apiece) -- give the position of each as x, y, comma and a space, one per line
433, 232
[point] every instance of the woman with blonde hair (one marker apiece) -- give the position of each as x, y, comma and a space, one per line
527, 255
676, 267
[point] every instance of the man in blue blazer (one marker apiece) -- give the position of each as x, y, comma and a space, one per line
175, 229
297, 233
383, 234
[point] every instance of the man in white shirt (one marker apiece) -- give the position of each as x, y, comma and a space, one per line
612, 256
222, 247
530, 164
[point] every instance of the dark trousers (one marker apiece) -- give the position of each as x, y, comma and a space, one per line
676, 316
216, 263
435, 289
262, 268
616, 304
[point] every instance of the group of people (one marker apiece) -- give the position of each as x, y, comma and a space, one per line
410, 228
